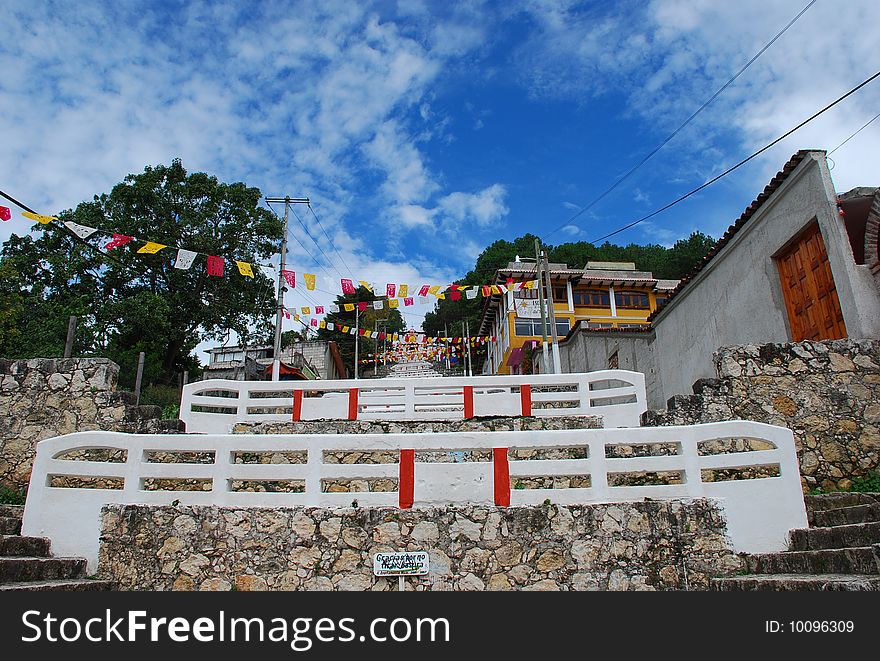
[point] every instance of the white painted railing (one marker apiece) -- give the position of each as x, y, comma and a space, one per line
759, 512
216, 405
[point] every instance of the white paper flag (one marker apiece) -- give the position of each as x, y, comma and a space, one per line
378, 305
423, 300
81, 231
185, 259
472, 292
330, 326
334, 308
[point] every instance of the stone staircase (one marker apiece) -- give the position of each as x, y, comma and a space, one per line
26, 564
840, 551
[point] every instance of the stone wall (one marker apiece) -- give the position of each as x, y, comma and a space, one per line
827, 393
419, 426
45, 397
655, 545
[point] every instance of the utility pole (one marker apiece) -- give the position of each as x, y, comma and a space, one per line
71, 335
467, 348
538, 263
554, 346
376, 355
446, 348
276, 354
357, 314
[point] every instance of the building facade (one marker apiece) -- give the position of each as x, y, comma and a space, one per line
603, 295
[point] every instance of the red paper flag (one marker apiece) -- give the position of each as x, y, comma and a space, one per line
454, 295
363, 306
290, 276
319, 309
216, 265
118, 240
407, 301
381, 336
424, 290
390, 290
361, 331
5, 214
314, 322
286, 314
347, 286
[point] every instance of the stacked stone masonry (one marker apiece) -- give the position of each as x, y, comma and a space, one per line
672, 545
45, 397
827, 393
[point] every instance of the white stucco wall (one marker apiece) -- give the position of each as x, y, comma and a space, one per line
737, 298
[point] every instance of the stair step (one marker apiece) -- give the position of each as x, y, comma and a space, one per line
835, 537
14, 570
829, 501
10, 525
797, 582
12, 511
842, 516
70, 585
16, 545
856, 560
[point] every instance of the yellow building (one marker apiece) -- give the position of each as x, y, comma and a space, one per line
602, 295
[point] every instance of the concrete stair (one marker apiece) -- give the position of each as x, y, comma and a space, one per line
27, 566
840, 551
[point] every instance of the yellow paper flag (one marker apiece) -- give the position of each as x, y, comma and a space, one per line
403, 291
45, 220
349, 307
345, 329
366, 285
393, 302
310, 281
322, 324
151, 248
307, 310
244, 268
434, 289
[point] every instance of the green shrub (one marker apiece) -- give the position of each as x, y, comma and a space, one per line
10, 496
868, 484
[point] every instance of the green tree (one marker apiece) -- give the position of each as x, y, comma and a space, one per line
388, 320
129, 302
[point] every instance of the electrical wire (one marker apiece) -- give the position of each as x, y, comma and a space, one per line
330, 241
864, 126
741, 163
683, 125
309, 234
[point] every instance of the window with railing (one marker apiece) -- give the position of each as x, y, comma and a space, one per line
591, 298
631, 300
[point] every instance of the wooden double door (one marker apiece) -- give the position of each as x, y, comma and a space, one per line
808, 287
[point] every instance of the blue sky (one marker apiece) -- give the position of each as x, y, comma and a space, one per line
424, 131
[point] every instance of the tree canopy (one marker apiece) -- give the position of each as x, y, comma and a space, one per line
128, 302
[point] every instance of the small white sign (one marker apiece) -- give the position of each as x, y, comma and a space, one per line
406, 563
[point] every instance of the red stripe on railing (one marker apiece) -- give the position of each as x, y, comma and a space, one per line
502, 477
468, 402
406, 478
352, 403
525, 395
297, 405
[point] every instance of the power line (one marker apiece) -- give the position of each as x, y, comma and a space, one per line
864, 126
330, 241
741, 163
309, 234
686, 122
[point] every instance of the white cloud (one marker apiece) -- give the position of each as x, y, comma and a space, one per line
483, 208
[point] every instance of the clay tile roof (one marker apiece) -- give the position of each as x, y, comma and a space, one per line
750, 211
